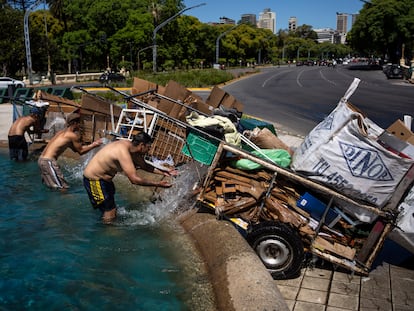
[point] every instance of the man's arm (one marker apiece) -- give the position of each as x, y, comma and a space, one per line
82, 149
128, 168
149, 168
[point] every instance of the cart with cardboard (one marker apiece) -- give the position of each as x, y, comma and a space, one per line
284, 212
339, 199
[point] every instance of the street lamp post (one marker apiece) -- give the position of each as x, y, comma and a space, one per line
218, 41
148, 47
27, 39
154, 34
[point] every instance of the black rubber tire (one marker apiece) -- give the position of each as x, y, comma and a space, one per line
279, 248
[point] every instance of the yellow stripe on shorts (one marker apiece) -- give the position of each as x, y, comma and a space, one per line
96, 191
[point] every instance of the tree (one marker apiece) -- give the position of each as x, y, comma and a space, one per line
382, 27
305, 32
12, 51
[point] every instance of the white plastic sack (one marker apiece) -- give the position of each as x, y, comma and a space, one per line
403, 234
342, 152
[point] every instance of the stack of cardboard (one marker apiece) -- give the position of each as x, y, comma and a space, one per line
176, 101
97, 116
256, 197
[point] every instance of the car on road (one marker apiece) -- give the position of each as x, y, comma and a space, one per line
393, 71
109, 77
6, 81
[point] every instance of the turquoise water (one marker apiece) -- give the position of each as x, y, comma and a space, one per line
56, 255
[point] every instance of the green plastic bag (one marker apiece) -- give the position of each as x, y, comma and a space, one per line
279, 156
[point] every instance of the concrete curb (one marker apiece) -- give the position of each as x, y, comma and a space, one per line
239, 279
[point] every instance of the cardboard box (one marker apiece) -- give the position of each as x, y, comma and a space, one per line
204, 108
176, 92
141, 86
399, 130
95, 104
396, 145
218, 98
215, 97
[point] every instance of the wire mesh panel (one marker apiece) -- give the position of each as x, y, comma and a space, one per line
169, 140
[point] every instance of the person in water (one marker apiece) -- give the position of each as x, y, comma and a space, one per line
66, 138
18, 146
118, 156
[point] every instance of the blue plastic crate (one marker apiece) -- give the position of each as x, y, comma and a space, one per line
316, 208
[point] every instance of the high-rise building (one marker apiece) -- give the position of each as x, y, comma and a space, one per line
267, 20
292, 23
248, 19
327, 35
226, 20
342, 22
354, 18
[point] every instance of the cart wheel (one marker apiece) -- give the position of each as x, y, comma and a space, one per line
279, 247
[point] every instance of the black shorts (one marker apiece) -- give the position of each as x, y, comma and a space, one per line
18, 149
101, 194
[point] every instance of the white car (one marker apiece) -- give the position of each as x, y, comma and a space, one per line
6, 81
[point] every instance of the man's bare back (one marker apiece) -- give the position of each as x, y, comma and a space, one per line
21, 125
59, 143
107, 163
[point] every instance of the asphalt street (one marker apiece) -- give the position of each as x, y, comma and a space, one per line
298, 98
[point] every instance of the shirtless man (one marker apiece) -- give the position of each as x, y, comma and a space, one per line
66, 138
118, 156
18, 148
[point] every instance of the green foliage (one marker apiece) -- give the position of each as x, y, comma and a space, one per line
89, 35
191, 78
12, 49
383, 27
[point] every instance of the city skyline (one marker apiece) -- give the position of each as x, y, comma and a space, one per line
318, 13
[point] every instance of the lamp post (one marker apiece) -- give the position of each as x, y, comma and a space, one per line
218, 41
148, 47
27, 39
154, 34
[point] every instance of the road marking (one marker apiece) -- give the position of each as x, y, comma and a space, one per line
298, 77
270, 78
323, 77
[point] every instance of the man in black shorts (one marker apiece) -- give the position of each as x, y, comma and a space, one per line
111, 159
18, 148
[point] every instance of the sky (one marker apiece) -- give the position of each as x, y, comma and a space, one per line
316, 13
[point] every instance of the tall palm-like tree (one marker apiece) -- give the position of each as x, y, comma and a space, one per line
155, 9
56, 7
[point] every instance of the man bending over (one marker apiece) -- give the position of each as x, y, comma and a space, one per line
118, 156
66, 138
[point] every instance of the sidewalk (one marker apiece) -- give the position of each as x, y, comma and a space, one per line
386, 288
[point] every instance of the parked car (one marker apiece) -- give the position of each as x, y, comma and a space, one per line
109, 77
6, 81
364, 66
393, 71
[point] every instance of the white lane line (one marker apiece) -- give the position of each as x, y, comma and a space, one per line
298, 77
323, 77
270, 78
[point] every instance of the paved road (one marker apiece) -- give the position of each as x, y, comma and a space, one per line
298, 98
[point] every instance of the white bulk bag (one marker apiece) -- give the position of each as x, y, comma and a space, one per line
342, 152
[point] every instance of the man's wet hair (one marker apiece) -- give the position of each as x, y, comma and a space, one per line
141, 138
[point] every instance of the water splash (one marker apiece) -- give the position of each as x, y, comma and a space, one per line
161, 205
139, 205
